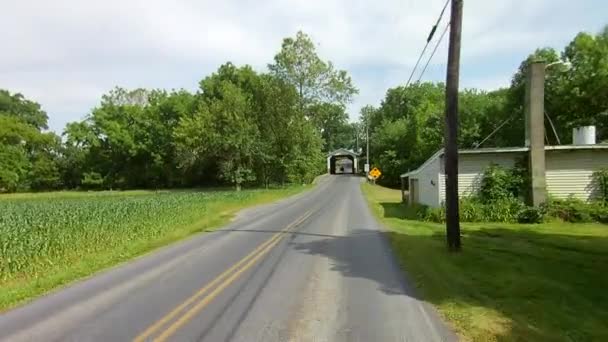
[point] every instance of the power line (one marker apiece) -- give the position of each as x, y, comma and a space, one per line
434, 50
511, 118
428, 40
438, 20
494, 131
416, 66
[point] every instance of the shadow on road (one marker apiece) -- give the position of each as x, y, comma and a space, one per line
363, 253
508, 284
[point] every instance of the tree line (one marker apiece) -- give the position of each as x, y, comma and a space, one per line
407, 127
248, 128
240, 128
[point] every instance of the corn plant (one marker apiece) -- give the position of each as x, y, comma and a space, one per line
40, 232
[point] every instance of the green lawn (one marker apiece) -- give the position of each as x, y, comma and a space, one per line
511, 282
50, 239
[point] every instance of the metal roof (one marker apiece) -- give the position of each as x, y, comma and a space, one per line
509, 150
342, 152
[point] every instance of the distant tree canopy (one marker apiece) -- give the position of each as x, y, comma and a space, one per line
407, 127
248, 128
241, 128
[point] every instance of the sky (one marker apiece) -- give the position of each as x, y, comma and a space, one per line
65, 54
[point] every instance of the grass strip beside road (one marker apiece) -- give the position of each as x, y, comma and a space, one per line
511, 282
49, 241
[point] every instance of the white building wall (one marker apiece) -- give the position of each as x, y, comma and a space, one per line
428, 183
568, 173
571, 172
470, 170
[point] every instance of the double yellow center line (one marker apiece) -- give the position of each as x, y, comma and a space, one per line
203, 297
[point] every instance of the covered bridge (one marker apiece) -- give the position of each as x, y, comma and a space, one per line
342, 161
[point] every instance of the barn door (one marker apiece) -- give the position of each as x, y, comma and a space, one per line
414, 191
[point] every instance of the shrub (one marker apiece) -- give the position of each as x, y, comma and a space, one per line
435, 215
532, 215
570, 210
92, 180
499, 184
602, 179
415, 211
599, 212
471, 210
505, 210
498, 201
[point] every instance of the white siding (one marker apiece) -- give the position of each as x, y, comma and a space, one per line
470, 170
428, 182
571, 172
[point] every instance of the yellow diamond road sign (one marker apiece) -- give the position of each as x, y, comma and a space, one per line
375, 173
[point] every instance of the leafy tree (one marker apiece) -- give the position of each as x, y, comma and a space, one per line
407, 128
512, 134
14, 165
27, 155
331, 121
27, 111
580, 98
235, 136
128, 139
322, 91
315, 80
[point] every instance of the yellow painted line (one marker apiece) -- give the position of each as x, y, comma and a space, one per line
260, 249
211, 296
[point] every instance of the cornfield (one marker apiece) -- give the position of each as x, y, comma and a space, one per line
38, 232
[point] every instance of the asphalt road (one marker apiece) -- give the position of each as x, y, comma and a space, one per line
314, 267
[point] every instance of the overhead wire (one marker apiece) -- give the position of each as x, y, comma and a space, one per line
494, 131
428, 41
434, 50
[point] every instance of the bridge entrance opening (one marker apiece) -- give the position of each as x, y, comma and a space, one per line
342, 162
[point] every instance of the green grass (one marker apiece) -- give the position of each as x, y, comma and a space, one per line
511, 282
50, 239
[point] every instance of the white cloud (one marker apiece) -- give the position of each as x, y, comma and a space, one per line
66, 53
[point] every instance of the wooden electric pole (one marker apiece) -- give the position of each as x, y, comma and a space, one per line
451, 128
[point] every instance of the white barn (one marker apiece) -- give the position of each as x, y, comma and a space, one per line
568, 171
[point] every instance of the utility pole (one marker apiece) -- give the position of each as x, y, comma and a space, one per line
451, 128
367, 148
367, 165
535, 130
357, 139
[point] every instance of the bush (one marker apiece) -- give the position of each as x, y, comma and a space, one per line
473, 210
92, 180
601, 215
498, 201
498, 184
570, 210
435, 215
532, 215
602, 179
575, 210
415, 211
599, 212
505, 210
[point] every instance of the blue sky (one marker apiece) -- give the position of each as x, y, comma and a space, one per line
66, 54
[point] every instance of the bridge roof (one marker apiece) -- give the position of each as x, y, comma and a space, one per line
342, 152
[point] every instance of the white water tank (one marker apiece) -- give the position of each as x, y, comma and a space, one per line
583, 135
